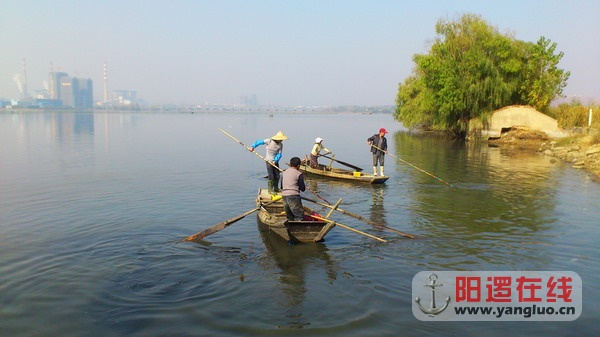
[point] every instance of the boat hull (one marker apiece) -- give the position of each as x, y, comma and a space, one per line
343, 174
272, 215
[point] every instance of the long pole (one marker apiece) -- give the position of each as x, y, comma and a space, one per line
361, 218
418, 168
269, 162
348, 228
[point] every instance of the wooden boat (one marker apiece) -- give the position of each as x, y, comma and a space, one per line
272, 214
340, 173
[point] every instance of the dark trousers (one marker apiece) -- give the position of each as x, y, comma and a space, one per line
378, 156
293, 207
273, 173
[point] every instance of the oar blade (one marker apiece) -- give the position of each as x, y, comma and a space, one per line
343, 163
218, 227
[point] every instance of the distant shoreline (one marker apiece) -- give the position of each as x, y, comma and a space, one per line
339, 110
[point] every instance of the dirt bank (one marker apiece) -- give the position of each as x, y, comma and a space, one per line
581, 151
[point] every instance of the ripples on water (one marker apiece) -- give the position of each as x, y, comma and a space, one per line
93, 206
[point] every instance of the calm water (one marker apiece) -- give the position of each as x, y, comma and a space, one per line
92, 207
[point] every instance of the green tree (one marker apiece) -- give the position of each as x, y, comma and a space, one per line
542, 79
471, 70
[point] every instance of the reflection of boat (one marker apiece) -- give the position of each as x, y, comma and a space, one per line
271, 214
288, 256
299, 265
340, 173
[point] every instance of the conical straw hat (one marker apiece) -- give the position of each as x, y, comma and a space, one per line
279, 136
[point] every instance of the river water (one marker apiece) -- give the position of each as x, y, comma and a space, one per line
93, 205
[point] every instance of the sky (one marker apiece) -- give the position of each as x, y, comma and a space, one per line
294, 53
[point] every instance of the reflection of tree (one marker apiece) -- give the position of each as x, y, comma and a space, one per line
295, 261
494, 192
435, 154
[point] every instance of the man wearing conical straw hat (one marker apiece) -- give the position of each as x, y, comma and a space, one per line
273, 155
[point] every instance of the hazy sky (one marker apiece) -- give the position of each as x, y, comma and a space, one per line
320, 52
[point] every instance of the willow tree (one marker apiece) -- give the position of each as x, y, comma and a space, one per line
471, 70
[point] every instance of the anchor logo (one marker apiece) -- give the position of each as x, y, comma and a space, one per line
432, 311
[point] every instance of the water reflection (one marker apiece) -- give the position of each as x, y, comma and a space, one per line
59, 127
69, 127
315, 191
377, 210
519, 189
438, 155
498, 207
63, 128
337, 188
297, 263
354, 195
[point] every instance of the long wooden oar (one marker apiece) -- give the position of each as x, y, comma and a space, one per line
343, 163
219, 226
356, 216
269, 162
418, 168
222, 225
348, 228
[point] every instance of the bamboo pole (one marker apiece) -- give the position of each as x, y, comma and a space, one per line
348, 228
361, 218
414, 166
269, 162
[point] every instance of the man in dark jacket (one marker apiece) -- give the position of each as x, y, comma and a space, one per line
378, 144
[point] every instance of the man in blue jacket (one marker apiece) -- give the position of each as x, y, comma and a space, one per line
273, 155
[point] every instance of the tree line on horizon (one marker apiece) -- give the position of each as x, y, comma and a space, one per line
471, 70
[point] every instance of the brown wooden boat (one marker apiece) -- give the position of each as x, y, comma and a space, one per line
272, 214
340, 173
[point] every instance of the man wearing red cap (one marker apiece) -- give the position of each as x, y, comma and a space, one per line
378, 144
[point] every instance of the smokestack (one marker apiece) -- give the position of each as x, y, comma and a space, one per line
24, 84
105, 84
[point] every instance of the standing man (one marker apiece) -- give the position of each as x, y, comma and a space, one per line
315, 151
274, 153
292, 183
378, 144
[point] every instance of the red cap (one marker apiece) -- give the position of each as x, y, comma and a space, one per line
382, 130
